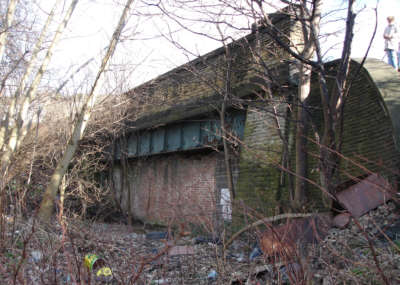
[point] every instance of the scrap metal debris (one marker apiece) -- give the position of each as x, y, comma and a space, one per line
365, 195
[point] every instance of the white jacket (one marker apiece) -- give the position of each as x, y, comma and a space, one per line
391, 33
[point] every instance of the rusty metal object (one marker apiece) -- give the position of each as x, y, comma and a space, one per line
281, 241
366, 195
341, 220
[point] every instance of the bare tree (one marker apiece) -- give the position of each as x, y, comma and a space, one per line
20, 128
16, 123
7, 25
5, 126
82, 119
303, 95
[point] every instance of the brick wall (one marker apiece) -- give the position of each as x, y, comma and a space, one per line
171, 187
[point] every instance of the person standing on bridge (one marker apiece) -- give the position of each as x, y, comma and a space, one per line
398, 57
390, 36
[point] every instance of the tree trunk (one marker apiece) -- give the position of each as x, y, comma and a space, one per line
125, 179
27, 73
227, 156
38, 46
20, 129
332, 107
301, 136
225, 134
47, 204
310, 36
9, 19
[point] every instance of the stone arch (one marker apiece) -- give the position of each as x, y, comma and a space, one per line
371, 137
387, 83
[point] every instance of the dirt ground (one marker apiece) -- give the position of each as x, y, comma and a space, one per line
357, 254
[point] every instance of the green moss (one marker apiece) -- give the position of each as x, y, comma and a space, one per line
258, 182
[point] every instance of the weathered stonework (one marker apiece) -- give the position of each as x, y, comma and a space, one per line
260, 160
185, 185
196, 87
368, 145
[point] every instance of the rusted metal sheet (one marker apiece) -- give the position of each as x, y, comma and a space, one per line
280, 241
366, 195
341, 220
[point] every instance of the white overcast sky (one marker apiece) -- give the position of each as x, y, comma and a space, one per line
94, 20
